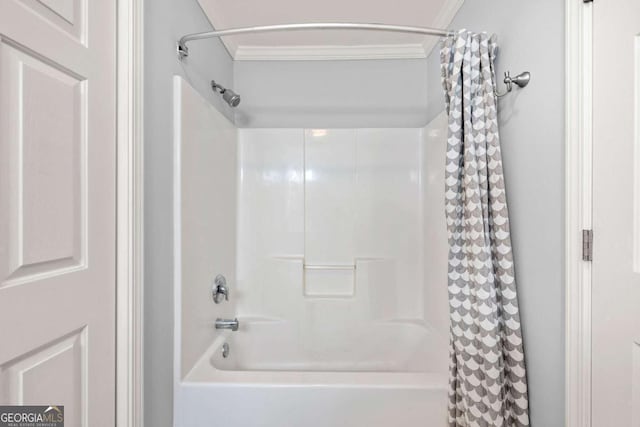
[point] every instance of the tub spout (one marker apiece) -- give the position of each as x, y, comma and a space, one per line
232, 324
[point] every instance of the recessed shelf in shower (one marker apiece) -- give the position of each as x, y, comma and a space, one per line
329, 280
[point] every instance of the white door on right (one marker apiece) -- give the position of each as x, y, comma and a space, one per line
616, 215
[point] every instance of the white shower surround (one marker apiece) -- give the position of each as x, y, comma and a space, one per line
363, 346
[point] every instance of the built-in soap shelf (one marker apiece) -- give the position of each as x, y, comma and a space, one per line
329, 266
328, 280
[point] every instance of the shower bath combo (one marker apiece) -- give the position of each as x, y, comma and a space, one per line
335, 309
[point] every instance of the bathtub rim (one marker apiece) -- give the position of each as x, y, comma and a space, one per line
204, 372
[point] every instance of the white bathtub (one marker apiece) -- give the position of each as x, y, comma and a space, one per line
272, 345
272, 388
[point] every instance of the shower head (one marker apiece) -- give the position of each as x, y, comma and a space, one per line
229, 96
232, 98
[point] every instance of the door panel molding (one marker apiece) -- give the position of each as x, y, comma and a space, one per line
63, 362
42, 181
68, 16
578, 211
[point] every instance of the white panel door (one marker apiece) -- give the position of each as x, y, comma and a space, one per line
57, 207
616, 210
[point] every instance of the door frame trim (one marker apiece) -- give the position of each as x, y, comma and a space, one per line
129, 215
578, 209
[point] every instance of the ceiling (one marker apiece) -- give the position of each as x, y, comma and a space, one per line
243, 13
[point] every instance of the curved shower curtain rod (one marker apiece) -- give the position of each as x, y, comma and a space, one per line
183, 50
521, 80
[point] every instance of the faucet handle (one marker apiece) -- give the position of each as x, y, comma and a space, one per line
220, 289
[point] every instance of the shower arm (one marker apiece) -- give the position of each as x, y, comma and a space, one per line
218, 88
183, 50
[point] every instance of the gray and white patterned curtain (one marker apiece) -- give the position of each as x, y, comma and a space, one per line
488, 383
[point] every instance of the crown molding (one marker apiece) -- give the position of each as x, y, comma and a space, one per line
443, 20
319, 53
229, 43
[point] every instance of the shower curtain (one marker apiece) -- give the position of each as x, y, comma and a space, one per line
487, 384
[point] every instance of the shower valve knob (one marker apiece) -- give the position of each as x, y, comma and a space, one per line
220, 289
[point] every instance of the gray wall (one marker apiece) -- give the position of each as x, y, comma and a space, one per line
531, 37
165, 22
332, 94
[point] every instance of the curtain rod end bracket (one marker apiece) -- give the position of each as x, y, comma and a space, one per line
521, 80
183, 50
